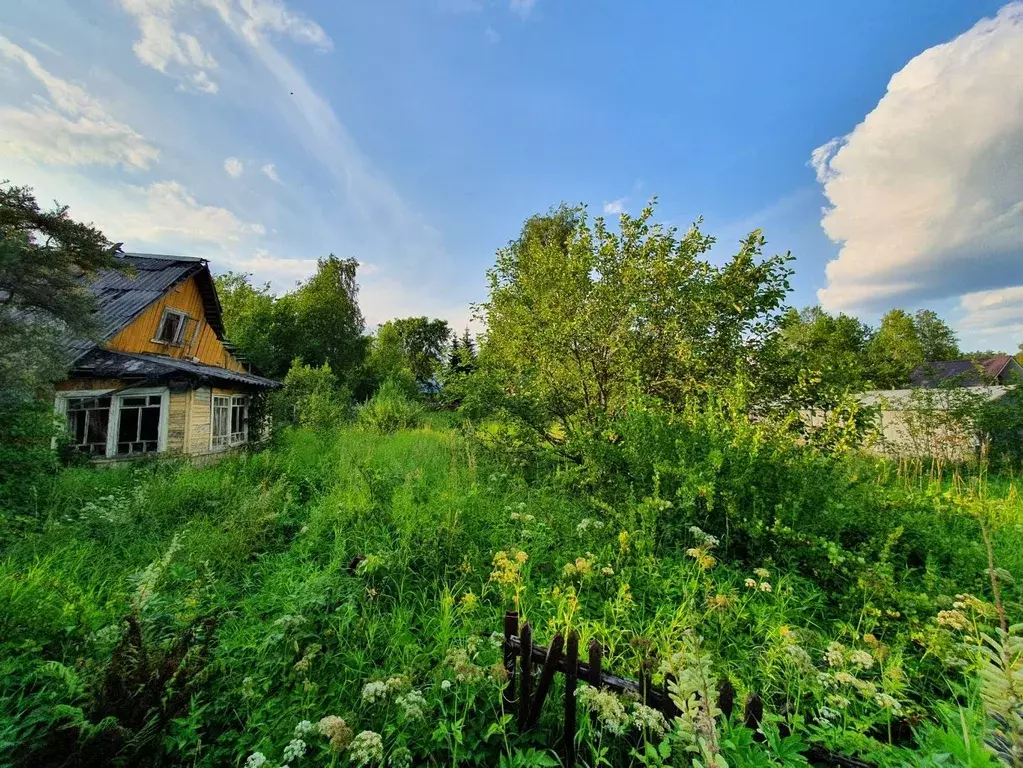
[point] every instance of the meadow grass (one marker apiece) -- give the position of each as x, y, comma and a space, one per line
329, 562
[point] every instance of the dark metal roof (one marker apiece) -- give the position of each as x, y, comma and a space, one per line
963, 373
123, 294
105, 364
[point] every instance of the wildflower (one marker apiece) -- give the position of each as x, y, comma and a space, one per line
465, 671
871, 640
751, 583
303, 729
523, 517
397, 684
303, 664
835, 655
845, 678
705, 539
521, 557
374, 692
761, 573
568, 571
624, 542
886, 701
401, 758
412, 704
248, 687
703, 558
469, 600
496, 639
826, 713
367, 748
337, 730
861, 659
445, 685
294, 750
582, 565
607, 570
953, 620
720, 602
508, 570
608, 708
648, 719
841, 702
765, 587
799, 655
587, 523
497, 672
256, 760
865, 688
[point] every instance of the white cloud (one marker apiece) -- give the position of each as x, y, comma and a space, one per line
44, 46
995, 313
167, 212
491, 35
271, 172
522, 7
168, 50
926, 194
615, 206
69, 127
253, 19
234, 167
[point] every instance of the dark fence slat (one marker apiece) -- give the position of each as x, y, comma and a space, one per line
526, 685
550, 666
511, 629
571, 675
595, 677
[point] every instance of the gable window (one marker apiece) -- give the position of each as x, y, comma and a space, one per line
87, 421
230, 420
172, 327
116, 424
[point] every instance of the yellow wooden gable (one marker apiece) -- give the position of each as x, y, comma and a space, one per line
198, 339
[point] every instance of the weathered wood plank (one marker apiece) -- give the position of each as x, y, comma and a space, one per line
546, 678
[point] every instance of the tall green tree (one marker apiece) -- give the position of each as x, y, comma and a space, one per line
44, 256
894, 351
261, 325
418, 342
937, 340
581, 317
328, 318
824, 350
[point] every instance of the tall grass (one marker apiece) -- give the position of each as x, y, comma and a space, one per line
333, 561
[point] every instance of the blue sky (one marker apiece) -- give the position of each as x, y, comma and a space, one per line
880, 142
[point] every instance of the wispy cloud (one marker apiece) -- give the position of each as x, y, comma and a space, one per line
167, 49
615, 206
522, 7
68, 127
491, 35
271, 172
234, 167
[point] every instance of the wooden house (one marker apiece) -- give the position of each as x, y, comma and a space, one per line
161, 378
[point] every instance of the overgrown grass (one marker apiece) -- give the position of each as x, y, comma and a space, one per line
283, 582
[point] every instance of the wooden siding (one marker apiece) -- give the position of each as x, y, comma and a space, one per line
71, 385
138, 335
177, 420
199, 433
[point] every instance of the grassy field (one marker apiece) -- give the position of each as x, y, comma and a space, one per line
166, 614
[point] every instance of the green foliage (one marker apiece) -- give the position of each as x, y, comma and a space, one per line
43, 301
1001, 423
580, 318
412, 345
320, 321
312, 397
894, 351
826, 350
937, 339
391, 409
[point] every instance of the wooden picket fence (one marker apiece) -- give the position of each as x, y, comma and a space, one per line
522, 657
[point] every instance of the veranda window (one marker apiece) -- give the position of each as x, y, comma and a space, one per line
230, 420
139, 425
88, 419
118, 423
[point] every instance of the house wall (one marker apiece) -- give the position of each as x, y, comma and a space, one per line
201, 342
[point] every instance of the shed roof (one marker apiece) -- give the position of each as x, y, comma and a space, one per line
963, 373
106, 364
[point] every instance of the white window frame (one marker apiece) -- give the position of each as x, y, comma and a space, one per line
179, 338
114, 422
231, 399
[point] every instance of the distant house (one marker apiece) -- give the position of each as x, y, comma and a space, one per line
161, 378
999, 370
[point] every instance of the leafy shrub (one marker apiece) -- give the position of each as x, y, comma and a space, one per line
313, 398
391, 409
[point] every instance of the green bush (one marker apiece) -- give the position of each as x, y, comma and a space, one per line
391, 409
